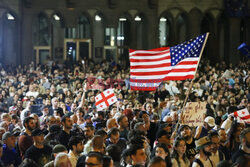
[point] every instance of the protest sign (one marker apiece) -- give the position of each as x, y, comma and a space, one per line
193, 113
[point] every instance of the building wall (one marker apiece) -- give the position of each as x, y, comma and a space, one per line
197, 16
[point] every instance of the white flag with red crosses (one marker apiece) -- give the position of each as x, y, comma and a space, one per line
242, 115
105, 99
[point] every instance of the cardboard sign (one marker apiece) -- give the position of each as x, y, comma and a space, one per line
194, 113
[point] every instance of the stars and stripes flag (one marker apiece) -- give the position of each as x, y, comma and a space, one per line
148, 68
105, 99
242, 115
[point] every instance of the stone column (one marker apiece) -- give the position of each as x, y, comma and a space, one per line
234, 40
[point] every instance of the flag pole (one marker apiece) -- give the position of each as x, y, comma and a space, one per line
190, 87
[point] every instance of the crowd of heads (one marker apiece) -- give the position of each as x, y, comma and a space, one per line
49, 117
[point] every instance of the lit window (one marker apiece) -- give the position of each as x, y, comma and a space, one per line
122, 19
56, 17
163, 19
10, 17
98, 18
137, 18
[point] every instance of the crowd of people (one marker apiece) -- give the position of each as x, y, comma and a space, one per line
49, 118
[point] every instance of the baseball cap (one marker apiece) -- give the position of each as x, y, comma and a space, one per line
87, 116
59, 148
182, 127
54, 128
202, 142
37, 132
6, 135
210, 121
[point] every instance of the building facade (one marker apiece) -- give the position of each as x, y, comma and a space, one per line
38, 30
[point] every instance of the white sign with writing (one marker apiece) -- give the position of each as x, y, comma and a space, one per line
193, 113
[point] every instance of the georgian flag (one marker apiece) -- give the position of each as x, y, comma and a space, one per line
105, 99
242, 115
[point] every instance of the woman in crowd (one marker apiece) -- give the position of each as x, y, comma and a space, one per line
179, 158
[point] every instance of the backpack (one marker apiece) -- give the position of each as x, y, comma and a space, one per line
198, 162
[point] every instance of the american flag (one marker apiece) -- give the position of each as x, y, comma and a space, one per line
148, 68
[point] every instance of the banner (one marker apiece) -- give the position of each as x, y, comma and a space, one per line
194, 113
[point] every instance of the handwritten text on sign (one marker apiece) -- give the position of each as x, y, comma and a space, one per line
194, 113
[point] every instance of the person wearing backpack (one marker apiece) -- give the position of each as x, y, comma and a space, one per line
217, 155
203, 146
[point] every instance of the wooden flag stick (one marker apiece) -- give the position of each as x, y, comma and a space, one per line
189, 89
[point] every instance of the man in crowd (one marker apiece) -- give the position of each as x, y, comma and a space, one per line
123, 126
10, 156
59, 148
39, 152
94, 159
114, 138
203, 145
97, 147
62, 160
55, 106
65, 135
25, 139
138, 155
111, 123
202, 131
223, 143
245, 145
76, 147
217, 155
89, 132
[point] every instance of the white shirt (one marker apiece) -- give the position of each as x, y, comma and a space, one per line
34, 94
227, 124
73, 158
206, 163
215, 158
182, 163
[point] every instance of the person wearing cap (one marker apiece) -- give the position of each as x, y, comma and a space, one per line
203, 146
208, 125
164, 137
10, 155
59, 148
39, 152
87, 120
185, 131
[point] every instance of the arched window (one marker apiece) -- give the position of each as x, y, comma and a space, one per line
41, 36
243, 31
8, 36
83, 27
164, 30
123, 39
223, 37
141, 32
181, 24
207, 26
123, 31
57, 35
